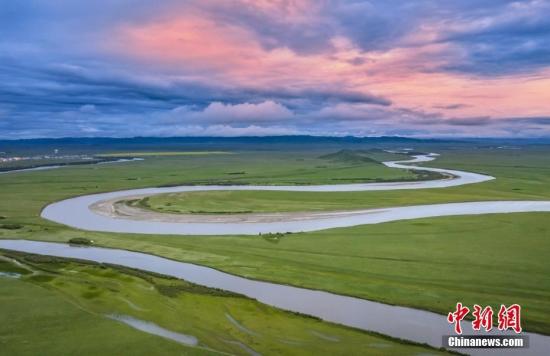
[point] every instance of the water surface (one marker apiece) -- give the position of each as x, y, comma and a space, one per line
399, 322
75, 212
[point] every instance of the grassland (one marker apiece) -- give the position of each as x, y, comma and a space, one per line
427, 263
33, 163
521, 176
37, 320
162, 154
61, 292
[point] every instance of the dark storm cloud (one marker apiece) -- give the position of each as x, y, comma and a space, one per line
62, 99
469, 121
513, 38
541, 120
64, 86
450, 106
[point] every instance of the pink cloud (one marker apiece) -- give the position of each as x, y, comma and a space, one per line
264, 111
196, 44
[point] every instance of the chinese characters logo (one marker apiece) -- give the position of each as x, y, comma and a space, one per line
507, 318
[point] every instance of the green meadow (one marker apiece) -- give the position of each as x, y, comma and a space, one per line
70, 302
162, 154
521, 176
426, 263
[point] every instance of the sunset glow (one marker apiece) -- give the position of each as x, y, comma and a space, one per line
418, 68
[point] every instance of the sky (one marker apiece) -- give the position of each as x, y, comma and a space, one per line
417, 68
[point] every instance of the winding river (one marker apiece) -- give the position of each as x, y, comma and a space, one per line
76, 212
406, 323
400, 322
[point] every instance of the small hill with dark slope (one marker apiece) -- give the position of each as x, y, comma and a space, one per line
350, 156
374, 150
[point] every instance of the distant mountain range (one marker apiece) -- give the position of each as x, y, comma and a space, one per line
103, 144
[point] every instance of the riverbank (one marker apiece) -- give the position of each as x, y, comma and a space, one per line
100, 212
407, 263
112, 295
398, 322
